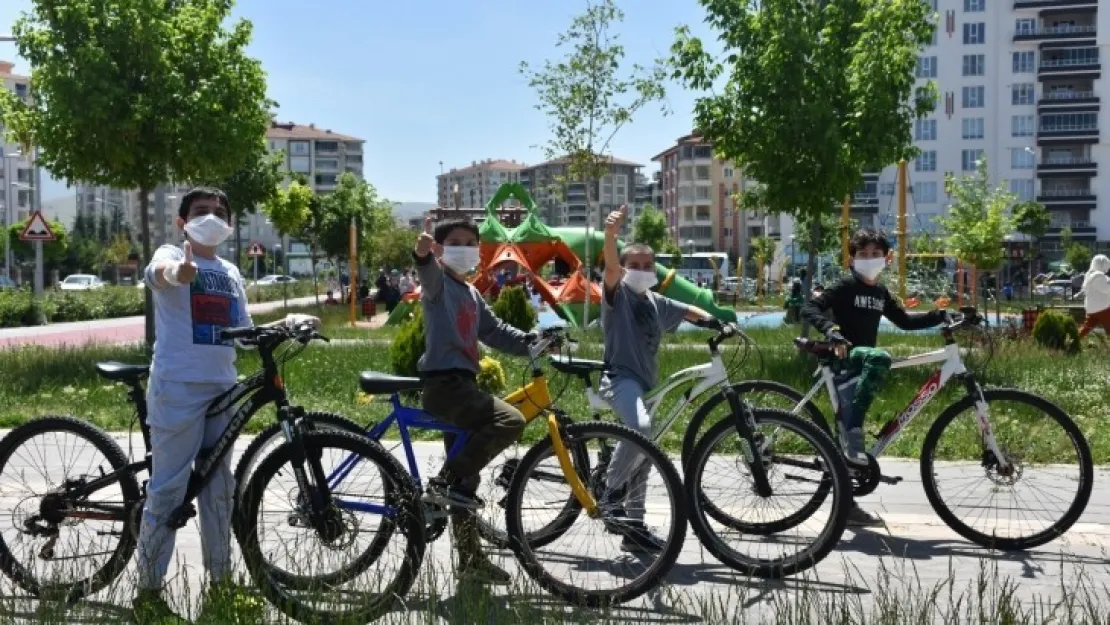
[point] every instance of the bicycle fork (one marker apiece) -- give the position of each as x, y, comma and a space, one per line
982, 418
744, 422
316, 491
578, 488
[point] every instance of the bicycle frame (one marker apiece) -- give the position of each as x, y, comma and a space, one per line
951, 366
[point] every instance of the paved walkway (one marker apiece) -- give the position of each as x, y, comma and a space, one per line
913, 554
122, 330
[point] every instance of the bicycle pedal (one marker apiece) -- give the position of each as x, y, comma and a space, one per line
180, 517
890, 479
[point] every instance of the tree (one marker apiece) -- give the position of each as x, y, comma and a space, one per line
255, 182
763, 251
1077, 255
588, 100
651, 228
391, 246
829, 233
1033, 220
817, 93
117, 252
134, 93
290, 211
977, 220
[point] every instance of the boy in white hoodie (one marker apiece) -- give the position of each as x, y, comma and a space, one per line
1096, 287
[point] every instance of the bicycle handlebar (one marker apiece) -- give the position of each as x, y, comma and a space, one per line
259, 335
967, 316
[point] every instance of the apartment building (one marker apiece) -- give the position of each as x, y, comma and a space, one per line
20, 178
699, 193
477, 183
1020, 83
649, 191
563, 202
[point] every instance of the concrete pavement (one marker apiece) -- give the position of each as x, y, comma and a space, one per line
913, 554
122, 330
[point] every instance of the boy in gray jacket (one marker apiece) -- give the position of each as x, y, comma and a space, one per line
455, 319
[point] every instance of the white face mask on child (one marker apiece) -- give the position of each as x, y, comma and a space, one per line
208, 230
869, 268
460, 258
639, 280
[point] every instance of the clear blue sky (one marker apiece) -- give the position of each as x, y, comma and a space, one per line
434, 80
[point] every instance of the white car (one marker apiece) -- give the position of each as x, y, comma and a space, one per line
81, 282
273, 279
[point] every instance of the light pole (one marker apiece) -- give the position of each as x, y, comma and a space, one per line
9, 211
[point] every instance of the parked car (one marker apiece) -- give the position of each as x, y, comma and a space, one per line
273, 279
81, 282
1054, 288
7, 284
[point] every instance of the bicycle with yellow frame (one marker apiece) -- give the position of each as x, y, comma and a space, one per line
570, 443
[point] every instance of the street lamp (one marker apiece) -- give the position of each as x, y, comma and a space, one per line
9, 211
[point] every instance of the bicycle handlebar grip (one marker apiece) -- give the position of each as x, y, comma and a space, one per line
231, 334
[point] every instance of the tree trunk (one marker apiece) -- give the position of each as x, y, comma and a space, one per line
811, 266
144, 258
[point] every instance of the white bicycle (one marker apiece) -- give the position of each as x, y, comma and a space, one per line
951, 442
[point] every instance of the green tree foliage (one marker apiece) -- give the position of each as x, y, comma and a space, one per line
763, 250
391, 246
355, 200
132, 94
978, 219
1031, 219
491, 376
290, 209
405, 352
1076, 254
253, 184
815, 93
512, 307
117, 252
829, 233
588, 99
651, 228
53, 252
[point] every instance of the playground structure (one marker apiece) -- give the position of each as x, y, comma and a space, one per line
532, 245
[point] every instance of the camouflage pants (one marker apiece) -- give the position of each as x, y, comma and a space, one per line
871, 365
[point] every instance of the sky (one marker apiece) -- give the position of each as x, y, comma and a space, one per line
434, 80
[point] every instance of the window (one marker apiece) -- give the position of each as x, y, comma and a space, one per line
926, 67
1025, 26
327, 163
975, 64
728, 172
972, 127
687, 151
298, 148
701, 193
925, 130
1062, 122
703, 151
685, 174
926, 161
1023, 62
975, 32
1023, 93
975, 6
300, 164
1022, 188
702, 172
974, 97
1021, 158
1022, 126
888, 188
685, 194
969, 158
925, 193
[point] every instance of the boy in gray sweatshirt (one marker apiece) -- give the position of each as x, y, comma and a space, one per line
455, 319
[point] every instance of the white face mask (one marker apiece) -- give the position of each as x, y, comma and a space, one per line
461, 258
869, 268
639, 280
208, 230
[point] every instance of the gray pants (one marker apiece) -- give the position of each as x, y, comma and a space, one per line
178, 431
626, 397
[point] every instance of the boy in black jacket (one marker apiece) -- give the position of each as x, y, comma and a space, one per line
848, 313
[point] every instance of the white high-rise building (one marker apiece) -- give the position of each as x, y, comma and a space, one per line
1019, 82
19, 177
477, 183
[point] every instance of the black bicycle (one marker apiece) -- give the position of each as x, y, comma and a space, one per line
78, 530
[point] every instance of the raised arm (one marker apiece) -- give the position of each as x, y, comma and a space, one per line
613, 273
911, 321
431, 274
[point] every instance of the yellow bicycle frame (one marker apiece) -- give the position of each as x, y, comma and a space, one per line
534, 399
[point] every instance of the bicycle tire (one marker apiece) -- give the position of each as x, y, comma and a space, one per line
1057, 529
523, 550
698, 426
129, 486
839, 484
409, 524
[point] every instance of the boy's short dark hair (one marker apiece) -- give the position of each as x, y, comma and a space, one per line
868, 236
202, 193
636, 248
444, 228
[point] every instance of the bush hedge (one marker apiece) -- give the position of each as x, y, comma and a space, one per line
1057, 330
512, 307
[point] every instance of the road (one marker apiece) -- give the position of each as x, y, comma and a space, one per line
122, 330
912, 555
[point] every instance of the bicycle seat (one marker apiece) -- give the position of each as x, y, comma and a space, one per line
577, 366
120, 372
374, 383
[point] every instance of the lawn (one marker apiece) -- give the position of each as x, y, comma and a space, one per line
325, 377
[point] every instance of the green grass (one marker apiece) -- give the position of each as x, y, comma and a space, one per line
39, 381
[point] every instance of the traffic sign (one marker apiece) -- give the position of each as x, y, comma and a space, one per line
256, 250
37, 229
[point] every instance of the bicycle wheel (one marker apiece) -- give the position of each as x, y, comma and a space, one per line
761, 393
373, 579
54, 515
1014, 415
622, 515
793, 451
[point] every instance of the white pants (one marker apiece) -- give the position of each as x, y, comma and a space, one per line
178, 431
626, 397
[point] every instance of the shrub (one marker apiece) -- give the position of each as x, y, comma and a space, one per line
1057, 330
405, 352
513, 307
491, 376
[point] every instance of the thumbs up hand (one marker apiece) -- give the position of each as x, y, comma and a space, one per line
426, 242
183, 272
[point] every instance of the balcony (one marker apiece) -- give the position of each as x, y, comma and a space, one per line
1080, 230
1063, 98
865, 203
1067, 198
1062, 32
1057, 128
1070, 63
1055, 4
1066, 165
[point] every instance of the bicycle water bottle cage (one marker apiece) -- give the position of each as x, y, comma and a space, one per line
181, 515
